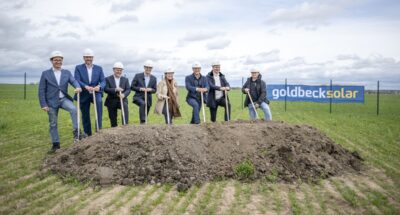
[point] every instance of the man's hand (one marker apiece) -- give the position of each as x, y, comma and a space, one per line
227, 88
121, 95
222, 88
246, 90
89, 88
78, 90
257, 105
97, 88
119, 89
45, 109
149, 89
142, 89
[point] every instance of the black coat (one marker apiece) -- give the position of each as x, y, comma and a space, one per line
138, 82
112, 97
261, 91
211, 101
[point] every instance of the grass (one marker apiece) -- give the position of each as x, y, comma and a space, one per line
24, 141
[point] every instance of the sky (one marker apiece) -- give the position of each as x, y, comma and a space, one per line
308, 42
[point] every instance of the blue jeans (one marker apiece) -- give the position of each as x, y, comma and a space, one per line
67, 105
265, 108
196, 105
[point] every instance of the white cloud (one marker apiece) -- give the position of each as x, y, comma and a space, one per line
219, 43
263, 57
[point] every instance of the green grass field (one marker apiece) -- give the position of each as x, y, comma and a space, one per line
24, 141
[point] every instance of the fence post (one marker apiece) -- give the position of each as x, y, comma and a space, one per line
286, 94
242, 96
377, 99
24, 85
330, 99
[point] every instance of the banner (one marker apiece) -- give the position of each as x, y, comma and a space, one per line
310, 93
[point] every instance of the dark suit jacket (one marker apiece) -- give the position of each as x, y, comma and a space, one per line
81, 75
49, 90
211, 102
190, 83
138, 82
112, 96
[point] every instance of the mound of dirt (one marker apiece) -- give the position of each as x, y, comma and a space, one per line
188, 154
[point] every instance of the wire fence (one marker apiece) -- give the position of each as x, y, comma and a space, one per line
373, 89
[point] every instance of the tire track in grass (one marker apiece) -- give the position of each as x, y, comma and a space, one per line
374, 196
386, 183
320, 198
295, 206
310, 202
228, 196
99, 202
13, 187
243, 192
31, 188
149, 196
189, 206
130, 195
171, 198
158, 200
72, 209
349, 195
111, 200
264, 189
134, 200
217, 197
176, 200
117, 198
48, 198
282, 199
202, 203
68, 201
193, 193
25, 201
335, 202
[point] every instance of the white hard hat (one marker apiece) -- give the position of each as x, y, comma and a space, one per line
88, 53
148, 63
216, 63
196, 65
255, 69
56, 54
118, 65
169, 70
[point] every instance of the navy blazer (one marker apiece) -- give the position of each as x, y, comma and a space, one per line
113, 98
190, 83
211, 102
49, 90
81, 75
138, 82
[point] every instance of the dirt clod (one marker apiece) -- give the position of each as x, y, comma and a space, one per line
190, 154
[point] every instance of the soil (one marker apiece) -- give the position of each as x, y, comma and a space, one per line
193, 154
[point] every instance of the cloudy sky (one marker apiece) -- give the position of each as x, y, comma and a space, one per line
310, 42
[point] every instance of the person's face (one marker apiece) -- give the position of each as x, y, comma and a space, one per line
216, 69
57, 62
169, 76
88, 60
117, 72
196, 71
147, 70
254, 75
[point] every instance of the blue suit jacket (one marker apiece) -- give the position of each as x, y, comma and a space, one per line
81, 75
190, 83
49, 90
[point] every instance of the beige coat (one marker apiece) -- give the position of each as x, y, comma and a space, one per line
162, 90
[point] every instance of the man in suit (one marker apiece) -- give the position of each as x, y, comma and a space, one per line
141, 83
195, 85
117, 87
216, 96
91, 78
53, 95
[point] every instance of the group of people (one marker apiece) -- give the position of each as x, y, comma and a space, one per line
90, 83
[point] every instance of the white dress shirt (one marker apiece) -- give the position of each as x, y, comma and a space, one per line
117, 80
57, 73
218, 93
89, 71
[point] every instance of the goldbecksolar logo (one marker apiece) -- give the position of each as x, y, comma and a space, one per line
338, 93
